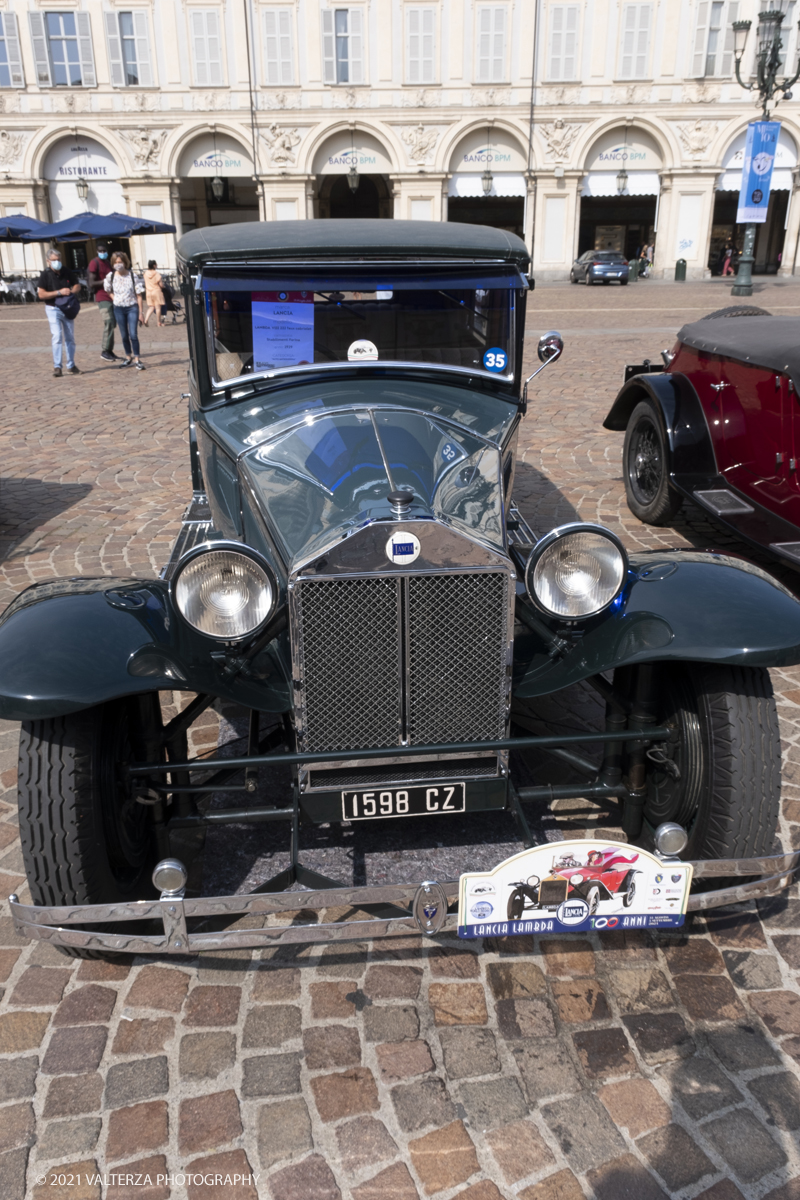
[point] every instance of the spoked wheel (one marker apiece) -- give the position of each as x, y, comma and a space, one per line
646, 468
593, 900
516, 904
718, 774
630, 892
85, 838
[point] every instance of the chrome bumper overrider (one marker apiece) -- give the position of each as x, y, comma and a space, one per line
330, 915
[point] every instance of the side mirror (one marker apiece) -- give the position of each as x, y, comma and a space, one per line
550, 348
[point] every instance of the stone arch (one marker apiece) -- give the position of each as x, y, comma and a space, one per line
462, 133
40, 145
665, 141
339, 135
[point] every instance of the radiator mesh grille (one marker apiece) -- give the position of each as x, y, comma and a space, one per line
383, 657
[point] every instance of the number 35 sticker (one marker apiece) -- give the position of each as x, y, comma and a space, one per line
495, 359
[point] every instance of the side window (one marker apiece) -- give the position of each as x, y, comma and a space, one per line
342, 45
420, 44
278, 46
206, 42
491, 48
62, 49
635, 47
713, 39
129, 49
11, 74
563, 50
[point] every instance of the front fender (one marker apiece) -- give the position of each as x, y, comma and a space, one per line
74, 643
690, 447
677, 606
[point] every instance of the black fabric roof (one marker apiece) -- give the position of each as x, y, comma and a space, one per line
771, 342
350, 240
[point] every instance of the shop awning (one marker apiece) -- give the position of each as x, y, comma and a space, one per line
604, 183
731, 181
505, 183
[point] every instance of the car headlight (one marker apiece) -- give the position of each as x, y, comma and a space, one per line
224, 594
576, 571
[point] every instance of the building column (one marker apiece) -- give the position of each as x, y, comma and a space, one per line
554, 220
789, 264
530, 206
685, 231
176, 217
286, 197
418, 197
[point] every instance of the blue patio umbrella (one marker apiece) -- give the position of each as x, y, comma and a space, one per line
143, 225
79, 228
12, 228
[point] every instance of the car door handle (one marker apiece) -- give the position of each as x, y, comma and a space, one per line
717, 387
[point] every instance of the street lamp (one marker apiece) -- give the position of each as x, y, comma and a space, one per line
353, 178
217, 188
622, 181
767, 66
487, 182
82, 188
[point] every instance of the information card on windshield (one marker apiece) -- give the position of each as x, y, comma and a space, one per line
568, 887
283, 329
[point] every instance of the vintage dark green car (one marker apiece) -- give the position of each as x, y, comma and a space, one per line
352, 570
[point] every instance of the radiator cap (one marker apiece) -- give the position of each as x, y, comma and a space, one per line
400, 502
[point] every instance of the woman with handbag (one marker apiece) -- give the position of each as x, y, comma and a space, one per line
154, 293
59, 288
126, 291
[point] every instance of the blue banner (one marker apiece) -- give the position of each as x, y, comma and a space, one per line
759, 159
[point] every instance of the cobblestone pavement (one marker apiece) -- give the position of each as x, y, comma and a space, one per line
622, 1067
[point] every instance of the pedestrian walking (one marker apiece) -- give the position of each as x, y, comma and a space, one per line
99, 267
59, 288
154, 295
126, 291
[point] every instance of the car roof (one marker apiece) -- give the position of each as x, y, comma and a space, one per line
763, 341
350, 240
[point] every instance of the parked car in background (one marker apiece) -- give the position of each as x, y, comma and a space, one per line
600, 266
719, 425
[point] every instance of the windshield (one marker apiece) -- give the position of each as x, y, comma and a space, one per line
608, 256
263, 331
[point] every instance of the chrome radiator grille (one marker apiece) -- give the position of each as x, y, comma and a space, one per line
387, 659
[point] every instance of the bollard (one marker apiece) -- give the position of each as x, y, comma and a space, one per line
680, 270
633, 270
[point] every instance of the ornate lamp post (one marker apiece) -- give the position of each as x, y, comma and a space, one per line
82, 188
622, 181
768, 65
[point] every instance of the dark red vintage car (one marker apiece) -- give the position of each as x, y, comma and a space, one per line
719, 425
607, 874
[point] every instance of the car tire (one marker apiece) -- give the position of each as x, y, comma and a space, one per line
85, 838
516, 906
572, 278
593, 900
645, 467
726, 748
630, 890
623, 283
737, 310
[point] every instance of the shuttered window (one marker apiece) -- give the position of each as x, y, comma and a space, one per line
11, 74
713, 39
62, 49
128, 40
278, 46
635, 48
563, 57
787, 31
204, 28
342, 45
491, 49
420, 42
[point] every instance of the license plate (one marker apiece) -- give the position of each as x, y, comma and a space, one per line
403, 802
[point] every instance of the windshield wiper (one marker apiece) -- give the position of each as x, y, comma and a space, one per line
341, 304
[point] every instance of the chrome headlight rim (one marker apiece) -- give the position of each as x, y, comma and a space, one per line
556, 535
233, 548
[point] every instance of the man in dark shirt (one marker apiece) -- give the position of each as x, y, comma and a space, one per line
98, 269
57, 280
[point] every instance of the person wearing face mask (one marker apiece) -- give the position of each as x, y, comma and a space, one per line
126, 290
57, 281
99, 267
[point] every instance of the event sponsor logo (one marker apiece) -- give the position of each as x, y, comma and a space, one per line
572, 912
481, 910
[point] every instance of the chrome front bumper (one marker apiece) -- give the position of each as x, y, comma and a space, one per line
330, 915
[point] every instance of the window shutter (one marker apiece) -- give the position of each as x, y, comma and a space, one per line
628, 40
11, 33
642, 44
428, 44
484, 44
556, 42
142, 36
499, 45
114, 50
787, 27
200, 53
213, 47
286, 45
727, 51
570, 67
39, 43
328, 56
272, 70
355, 24
83, 24
414, 44
563, 42
635, 41
701, 34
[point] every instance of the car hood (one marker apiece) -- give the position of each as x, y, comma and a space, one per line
330, 475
